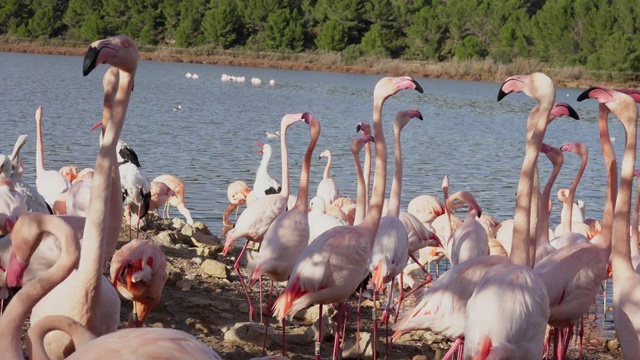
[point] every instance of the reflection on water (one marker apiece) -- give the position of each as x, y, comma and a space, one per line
467, 135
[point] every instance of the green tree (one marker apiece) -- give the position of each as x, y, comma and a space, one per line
188, 32
375, 42
283, 31
426, 34
551, 32
46, 19
348, 13
332, 37
222, 25
14, 14
78, 13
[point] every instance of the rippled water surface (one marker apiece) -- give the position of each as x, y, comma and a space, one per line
466, 134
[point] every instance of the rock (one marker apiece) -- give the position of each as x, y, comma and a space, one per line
612, 345
200, 227
221, 305
187, 230
177, 224
420, 357
310, 315
215, 268
173, 275
245, 332
208, 251
311, 333
185, 284
166, 238
202, 240
197, 260
366, 350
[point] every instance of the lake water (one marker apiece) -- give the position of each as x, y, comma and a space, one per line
466, 134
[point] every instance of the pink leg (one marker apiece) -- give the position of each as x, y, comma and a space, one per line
404, 296
336, 338
319, 342
358, 322
344, 328
284, 339
374, 319
456, 346
244, 286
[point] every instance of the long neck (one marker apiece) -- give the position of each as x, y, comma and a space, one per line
396, 185
263, 169
621, 256
572, 194
633, 240
367, 174
11, 322
361, 191
39, 144
327, 168
537, 124
103, 224
374, 212
533, 216
284, 161
448, 228
543, 206
611, 169
79, 334
303, 187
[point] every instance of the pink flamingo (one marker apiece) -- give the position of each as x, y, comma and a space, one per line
625, 278
319, 221
49, 183
543, 247
237, 193
178, 196
86, 295
365, 128
425, 207
149, 343
328, 188
327, 270
160, 193
139, 270
635, 251
470, 238
288, 234
255, 220
12, 206
70, 172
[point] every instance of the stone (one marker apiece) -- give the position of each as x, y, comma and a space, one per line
366, 350
202, 240
200, 227
197, 260
184, 284
311, 333
166, 238
612, 345
221, 305
215, 268
246, 332
187, 230
177, 224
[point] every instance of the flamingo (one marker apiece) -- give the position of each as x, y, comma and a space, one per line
255, 220
470, 238
25, 237
635, 251
237, 193
49, 183
319, 221
327, 188
178, 196
149, 343
425, 207
139, 270
264, 184
330, 269
365, 128
12, 206
543, 247
86, 295
70, 172
288, 234
160, 193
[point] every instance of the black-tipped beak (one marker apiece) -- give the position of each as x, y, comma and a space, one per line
501, 94
358, 128
420, 116
306, 117
418, 87
585, 94
319, 157
90, 59
573, 113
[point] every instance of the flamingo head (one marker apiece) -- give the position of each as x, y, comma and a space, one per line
358, 143
118, 51
563, 109
389, 86
576, 148
326, 153
403, 117
133, 278
553, 153
364, 127
612, 99
534, 85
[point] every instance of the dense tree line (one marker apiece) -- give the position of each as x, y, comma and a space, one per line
598, 34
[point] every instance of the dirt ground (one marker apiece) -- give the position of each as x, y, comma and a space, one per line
214, 307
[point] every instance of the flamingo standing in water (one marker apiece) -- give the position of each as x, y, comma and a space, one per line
288, 234
139, 270
49, 183
330, 269
178, 196
328, 188
86, 295
255, 220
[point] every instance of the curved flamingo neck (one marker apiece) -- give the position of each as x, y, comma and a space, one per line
572, 192
448, 228
361, 190
374, 212
284, 160
79, 334
521, 250
39, 143
396, 185
633, 240
367, 175
303, 188
543, 205
611, 169
621, 255
263, 169
12, 320
327, 168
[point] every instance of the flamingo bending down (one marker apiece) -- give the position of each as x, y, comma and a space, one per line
327, 188
177, 198
237, 193
49, 183
426, 208
86, 295
139, 270
255, 220
327, 270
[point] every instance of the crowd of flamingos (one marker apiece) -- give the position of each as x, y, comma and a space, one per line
508, 281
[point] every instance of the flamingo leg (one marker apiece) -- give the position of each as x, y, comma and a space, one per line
344, 329
358, 321
456, 346
236, 266
399, 302
336, 339
138, 224
374, 319
129, 207
319, 341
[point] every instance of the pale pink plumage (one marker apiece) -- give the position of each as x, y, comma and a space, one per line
49, 183
328, 188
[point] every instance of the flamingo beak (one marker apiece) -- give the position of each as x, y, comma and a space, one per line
97, 125
140, 313
15, 273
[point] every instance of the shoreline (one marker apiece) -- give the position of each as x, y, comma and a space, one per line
477, 70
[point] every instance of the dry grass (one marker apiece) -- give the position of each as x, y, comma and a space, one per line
474, 70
